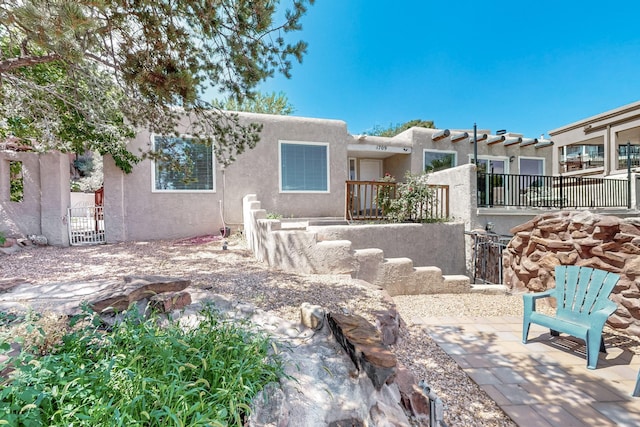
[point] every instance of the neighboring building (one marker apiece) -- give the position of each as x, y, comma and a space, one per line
599, 145
298, 169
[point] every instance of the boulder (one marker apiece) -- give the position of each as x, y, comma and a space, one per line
363, 344
135, 288
578, 238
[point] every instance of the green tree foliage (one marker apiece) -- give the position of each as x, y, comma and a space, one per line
268, 103
394, 130
74, 71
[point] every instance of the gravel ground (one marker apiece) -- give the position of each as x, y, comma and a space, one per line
235, 274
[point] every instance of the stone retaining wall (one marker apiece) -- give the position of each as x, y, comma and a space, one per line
579, 238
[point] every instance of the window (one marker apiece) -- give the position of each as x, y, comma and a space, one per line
491, 165
581, 156
352, 169
631, 153
197, 168
304, 167
438, 160
531, 166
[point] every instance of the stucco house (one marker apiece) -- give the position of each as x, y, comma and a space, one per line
298, 169
599, 145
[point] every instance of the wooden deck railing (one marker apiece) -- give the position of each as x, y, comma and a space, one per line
364, 199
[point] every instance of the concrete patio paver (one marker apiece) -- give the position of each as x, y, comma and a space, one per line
545, 382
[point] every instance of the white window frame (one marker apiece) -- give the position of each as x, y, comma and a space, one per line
181, 191
353, 162
500, 158
328, 165
431, 150
544, 164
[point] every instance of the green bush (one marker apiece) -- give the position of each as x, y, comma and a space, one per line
142, 374
411, 200
16, 182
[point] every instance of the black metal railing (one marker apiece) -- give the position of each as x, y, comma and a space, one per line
497, 190
487, 256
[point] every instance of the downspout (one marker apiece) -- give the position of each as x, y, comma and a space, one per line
223, 231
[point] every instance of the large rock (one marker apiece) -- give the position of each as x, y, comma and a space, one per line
363, 344
8, 284
578, 238
136, 288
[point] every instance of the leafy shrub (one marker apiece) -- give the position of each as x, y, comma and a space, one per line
16, 182
2, 238
144, 374
386, 193
274, 215
410, 201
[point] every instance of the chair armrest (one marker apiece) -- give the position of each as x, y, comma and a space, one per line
530, 299
544, 294
599, 317
610, 307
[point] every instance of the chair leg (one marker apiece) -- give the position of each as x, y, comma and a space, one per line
525, 331
554, 333
592, 351
602, 347
636, 391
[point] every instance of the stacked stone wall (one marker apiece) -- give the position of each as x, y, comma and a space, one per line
584, 239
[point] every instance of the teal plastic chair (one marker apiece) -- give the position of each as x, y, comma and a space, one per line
583, 307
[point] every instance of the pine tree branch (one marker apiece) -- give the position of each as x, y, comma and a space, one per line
27, 61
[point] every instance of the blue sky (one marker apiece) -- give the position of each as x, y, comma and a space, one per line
527, 67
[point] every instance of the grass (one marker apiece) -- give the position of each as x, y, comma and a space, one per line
143, 372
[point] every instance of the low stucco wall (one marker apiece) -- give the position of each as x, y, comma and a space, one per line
338, 249
79, 200
422, 243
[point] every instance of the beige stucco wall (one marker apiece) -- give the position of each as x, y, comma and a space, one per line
46, 196
360, 250
422, 243
134, 212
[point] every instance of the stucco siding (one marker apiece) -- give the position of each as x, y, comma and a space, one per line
422, 243
45, 196
140, 213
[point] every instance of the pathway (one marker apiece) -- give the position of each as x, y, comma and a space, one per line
543, 383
